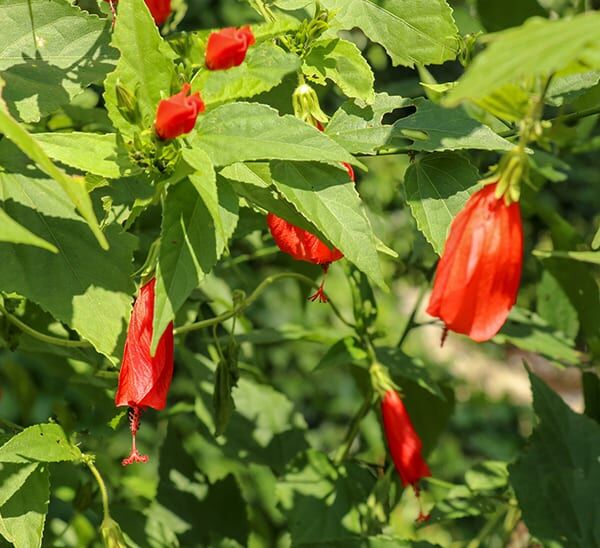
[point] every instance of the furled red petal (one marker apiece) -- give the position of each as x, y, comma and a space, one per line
403, 442
227, 48
477, 280
160, 10
177, 115
144, 380
300, 244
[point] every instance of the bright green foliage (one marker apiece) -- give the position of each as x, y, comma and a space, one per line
328, 198
411, 32
271, 435
144, 68
241, 132
437, 188
50, 51
74, 188
11, 231
538, 48
109, 158
560, 467
341, 62
265, 67
40, 443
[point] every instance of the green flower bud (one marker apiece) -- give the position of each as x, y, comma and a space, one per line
112, 535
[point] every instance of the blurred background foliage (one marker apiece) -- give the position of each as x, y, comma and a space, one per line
202, 490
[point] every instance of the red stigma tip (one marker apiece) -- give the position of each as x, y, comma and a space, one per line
134, 425
444, 336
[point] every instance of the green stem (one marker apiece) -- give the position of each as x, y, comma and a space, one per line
42, 336
487, 529
264, 252
411, 323
89, 461
250, 299
344, 449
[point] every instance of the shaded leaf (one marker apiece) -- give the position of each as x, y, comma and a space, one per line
437, 187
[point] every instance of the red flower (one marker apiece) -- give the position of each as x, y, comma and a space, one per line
177, 114
304, 246
160, 10
478, 276
227, 48
299, 243
404, 443
144, 379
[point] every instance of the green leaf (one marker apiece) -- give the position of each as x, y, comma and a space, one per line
145, 66
100, 154
565, 88
190, 242
326, 196
538, 48
341, 62
554, 306
11, 231
240, 132
12, 478
91, 294
344, 352
417, 32
560, 467
359, 127
437, 188
50, 55
40, 443
402, 365
75, 189
226, 378
435, 128
264, 68
596, 241
530, 333
22, 517
321, 501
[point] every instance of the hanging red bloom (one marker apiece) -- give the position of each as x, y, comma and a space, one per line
404, 443
304, 246
477, 279
144, 379
227, 48
159, 9
177, 114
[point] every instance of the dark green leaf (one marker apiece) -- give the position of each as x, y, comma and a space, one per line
559, 467
437, 188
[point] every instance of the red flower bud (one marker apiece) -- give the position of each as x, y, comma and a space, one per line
403, 442
144, 379
227, 48
478, 276
177, 114
159, 9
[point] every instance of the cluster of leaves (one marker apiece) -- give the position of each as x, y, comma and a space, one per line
251, 451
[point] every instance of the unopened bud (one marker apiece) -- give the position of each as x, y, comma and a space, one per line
112, 535
307, 107
127, 104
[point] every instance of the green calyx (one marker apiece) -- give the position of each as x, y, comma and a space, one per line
380, 379
508, 174
112, 535
307, 107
